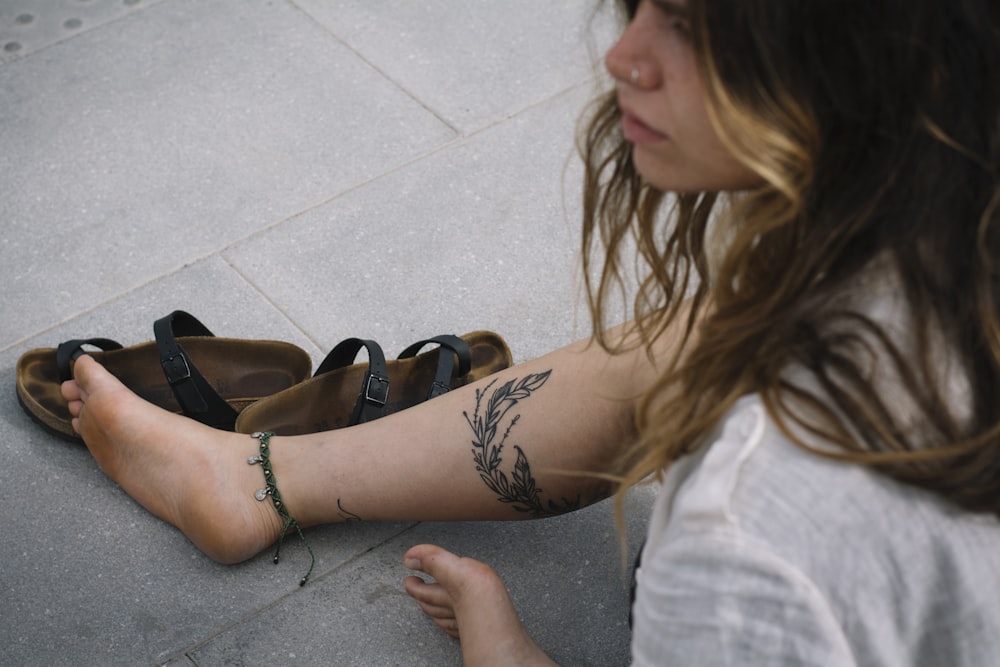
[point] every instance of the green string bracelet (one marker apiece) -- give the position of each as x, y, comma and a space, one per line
270, 489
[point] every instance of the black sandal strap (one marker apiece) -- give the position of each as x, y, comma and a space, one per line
446, 362
197, 398
72, 349
375, 386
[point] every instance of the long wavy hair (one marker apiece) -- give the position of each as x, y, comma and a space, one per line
874, 126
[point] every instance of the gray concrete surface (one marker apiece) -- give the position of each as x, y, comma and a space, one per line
305, 170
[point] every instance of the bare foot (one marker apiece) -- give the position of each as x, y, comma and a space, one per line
188, 474
470, 602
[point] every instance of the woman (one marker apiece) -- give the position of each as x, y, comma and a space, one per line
823, 410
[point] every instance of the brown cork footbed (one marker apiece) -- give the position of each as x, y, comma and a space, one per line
325, 402
241, 371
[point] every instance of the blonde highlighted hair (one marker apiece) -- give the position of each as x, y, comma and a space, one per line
875, 128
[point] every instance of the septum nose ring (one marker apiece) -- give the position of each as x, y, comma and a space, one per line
634, 77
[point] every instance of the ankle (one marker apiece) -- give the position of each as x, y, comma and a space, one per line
270, 491
219, 514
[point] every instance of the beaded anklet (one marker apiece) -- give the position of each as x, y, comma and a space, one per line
270, 489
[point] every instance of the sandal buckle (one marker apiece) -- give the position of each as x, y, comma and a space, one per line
176, 368
377, 390
438, 388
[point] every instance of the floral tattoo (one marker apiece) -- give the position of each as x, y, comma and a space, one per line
519, 490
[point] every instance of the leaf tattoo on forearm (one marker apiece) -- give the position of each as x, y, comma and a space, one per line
520, 490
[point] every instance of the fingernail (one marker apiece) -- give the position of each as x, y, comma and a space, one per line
412, 563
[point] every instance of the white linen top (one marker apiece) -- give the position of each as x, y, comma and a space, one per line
761, 553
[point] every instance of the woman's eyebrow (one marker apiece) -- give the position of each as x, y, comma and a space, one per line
671, 7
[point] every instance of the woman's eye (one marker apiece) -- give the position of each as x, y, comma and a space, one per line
674, 15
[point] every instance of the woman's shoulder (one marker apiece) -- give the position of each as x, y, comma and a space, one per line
887, 559
753, 479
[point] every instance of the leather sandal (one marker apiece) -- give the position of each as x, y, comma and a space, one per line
342, 393
187, 370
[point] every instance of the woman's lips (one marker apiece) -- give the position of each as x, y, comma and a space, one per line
638, 132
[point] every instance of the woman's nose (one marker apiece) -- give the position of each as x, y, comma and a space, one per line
627, 61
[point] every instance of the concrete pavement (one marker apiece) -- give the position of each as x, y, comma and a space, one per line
303, 170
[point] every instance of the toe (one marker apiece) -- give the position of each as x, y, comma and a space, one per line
443, 565
450, 626
71, 391
425, 593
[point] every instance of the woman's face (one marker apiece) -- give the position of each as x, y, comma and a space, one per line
664, 116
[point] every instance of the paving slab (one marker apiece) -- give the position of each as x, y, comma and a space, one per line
294, 170
89, 572
574, 601
451, 239
27, 26
474, 62
166, 135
